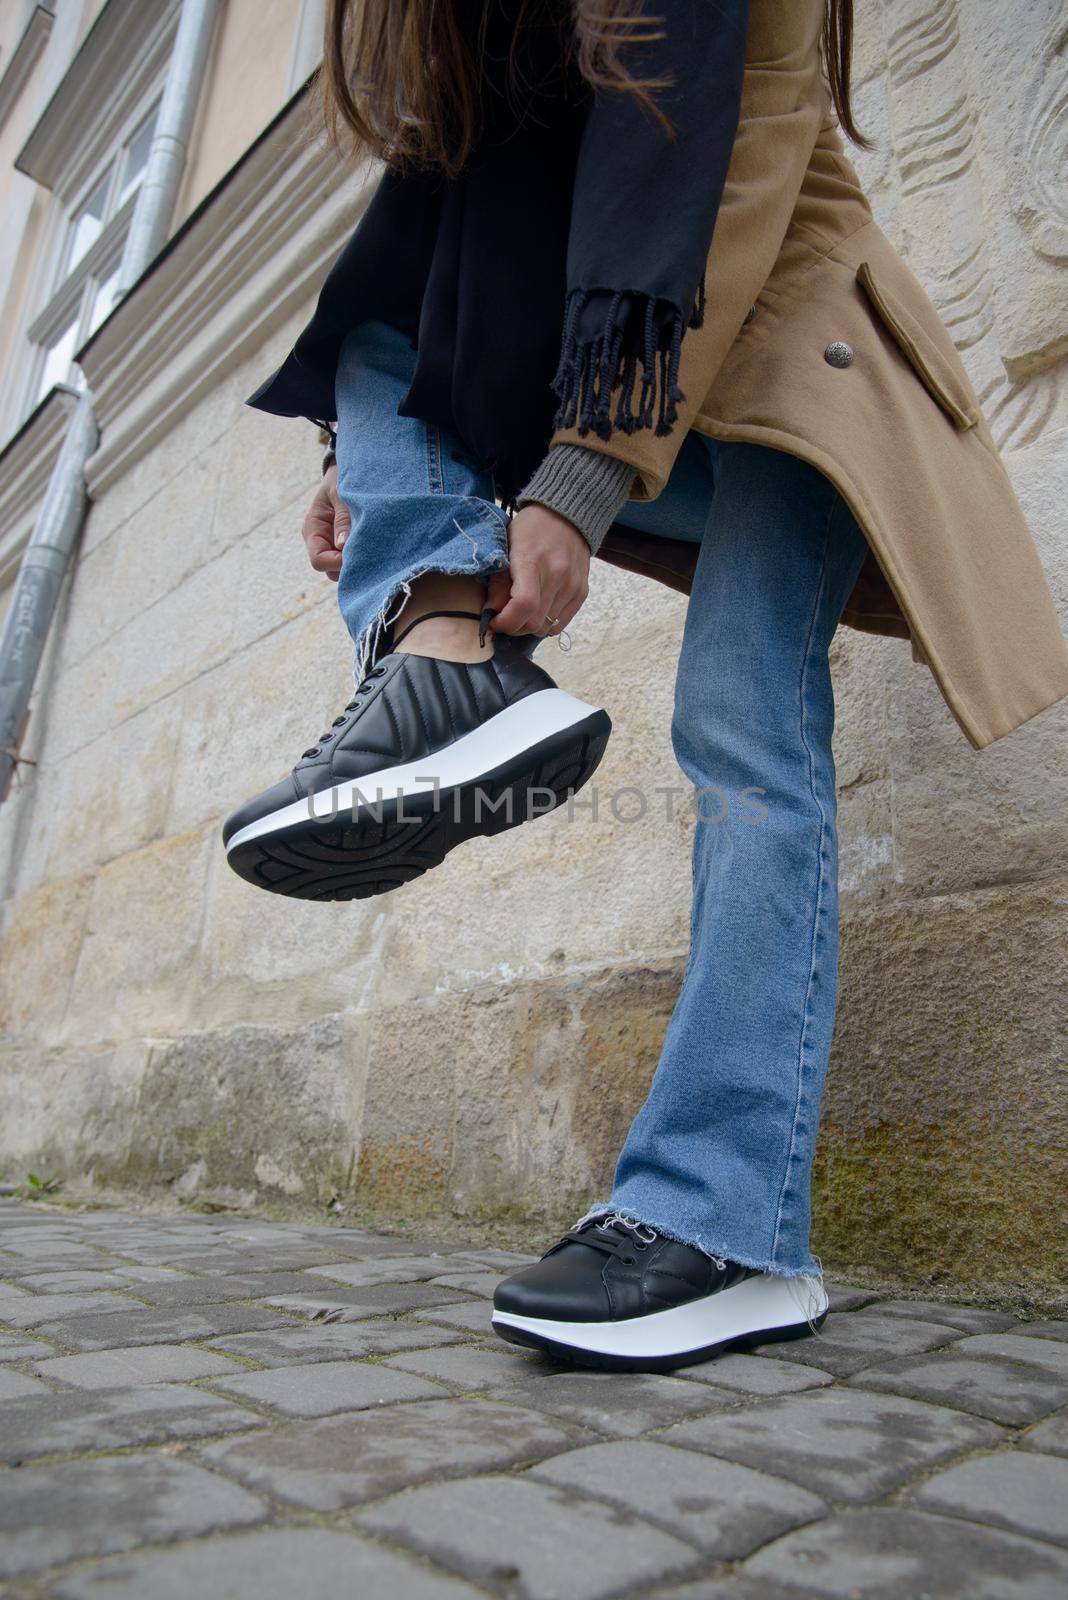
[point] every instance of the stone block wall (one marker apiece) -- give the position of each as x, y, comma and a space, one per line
474, 1046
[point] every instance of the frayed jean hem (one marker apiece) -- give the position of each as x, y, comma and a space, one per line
716, 1249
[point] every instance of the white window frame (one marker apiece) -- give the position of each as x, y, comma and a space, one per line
113, 82
71, 295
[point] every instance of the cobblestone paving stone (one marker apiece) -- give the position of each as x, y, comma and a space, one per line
1024, 1493
344, 1304
1050, 1436
272, 1565
149, 1363
1046, 1330
852, 1343
474, 1317
13, 1385
108, 1329
12, 1348
1000, 1376
237, 1407
333, 1341
326, 1388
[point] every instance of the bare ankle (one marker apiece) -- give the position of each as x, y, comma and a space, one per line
447, 638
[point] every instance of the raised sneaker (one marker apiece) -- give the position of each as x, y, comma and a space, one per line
614, 1293
427, 753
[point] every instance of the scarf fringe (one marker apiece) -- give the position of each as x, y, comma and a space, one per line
633, 362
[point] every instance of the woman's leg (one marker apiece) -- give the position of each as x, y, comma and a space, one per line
720, 1154
418, 504
447, 737
704, 1243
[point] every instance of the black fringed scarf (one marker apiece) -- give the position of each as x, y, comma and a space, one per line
552, 282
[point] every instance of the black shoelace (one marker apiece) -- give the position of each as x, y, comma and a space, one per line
613, 1235
324, 738
483, 618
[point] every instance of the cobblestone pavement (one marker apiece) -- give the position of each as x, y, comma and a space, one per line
250, 1410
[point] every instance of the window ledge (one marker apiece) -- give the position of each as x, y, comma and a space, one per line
25, 57
26, 463
75, 129
253, 252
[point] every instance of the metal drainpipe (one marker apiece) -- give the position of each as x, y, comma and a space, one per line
63, 510
151, 220
44, 561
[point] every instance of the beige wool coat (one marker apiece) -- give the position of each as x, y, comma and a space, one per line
897, 429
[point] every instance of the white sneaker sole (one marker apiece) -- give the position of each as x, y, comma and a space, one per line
499, 740
762, 1306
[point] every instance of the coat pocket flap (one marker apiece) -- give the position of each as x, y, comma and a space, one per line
936, 370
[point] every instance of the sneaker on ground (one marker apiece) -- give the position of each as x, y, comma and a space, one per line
616, 1294
428, 753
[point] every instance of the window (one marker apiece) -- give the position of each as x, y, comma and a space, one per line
93, 231
103, 300
58, 358
135, 158
88, 150
88, 222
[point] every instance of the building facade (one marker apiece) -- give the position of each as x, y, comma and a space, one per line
475, 1045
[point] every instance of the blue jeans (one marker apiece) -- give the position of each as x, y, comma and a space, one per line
418, 503
720, 1154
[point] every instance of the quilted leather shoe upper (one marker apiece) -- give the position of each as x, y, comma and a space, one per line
608, 1269
407, 707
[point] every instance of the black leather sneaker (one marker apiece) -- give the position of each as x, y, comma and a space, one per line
428, 753
614, 1293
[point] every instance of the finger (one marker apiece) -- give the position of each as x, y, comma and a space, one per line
524, 599
524, 612
317, 529
319, 543
342, 525
565, 596
327, 561
318, 536
564, 575
566, 603
556, 607
498, 591
569, 612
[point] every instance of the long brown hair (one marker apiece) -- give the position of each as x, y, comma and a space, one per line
400, 78
837, 43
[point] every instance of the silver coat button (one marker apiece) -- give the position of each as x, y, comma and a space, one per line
838, 353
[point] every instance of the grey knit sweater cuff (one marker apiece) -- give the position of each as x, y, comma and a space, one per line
587, 487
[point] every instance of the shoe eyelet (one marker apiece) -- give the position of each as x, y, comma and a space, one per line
629, 1261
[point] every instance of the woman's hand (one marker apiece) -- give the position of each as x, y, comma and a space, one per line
548, 576
326, 527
